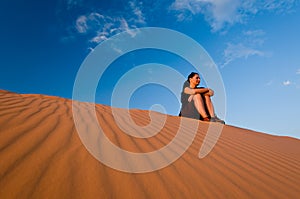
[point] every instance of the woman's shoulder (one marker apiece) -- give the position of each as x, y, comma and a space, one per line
186, 84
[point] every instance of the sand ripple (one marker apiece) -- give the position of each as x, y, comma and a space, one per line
42, 156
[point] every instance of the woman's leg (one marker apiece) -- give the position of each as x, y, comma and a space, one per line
199, 105
209, 105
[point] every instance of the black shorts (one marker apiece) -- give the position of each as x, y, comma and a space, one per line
189, 110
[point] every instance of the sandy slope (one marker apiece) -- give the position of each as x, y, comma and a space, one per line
42, 156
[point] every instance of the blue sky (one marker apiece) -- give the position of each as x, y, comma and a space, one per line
255, 45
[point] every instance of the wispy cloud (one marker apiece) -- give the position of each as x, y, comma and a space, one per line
287, 83
236, 51
136, 9
100, 27
254, 33
82, 24
298, 72
279, 6
222, 13
248, 46
254, 37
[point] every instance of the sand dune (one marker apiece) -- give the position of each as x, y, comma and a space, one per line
43, 156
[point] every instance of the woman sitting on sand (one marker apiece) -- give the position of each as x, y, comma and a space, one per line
196, 102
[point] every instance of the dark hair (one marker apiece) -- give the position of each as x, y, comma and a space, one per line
191, 76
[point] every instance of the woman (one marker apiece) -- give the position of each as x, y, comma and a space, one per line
196, 102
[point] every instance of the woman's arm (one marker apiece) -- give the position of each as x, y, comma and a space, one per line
193, 91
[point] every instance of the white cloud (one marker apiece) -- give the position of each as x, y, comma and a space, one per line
218, 13
236, 51
222, 13
99, 37
254, 37
287, 83
100, 27
136, 9
252, 40
90, 22
279, 6
193, 6
81, 24
109, 29
96, 24
298, 72
254, 33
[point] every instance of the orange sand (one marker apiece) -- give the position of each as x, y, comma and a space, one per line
42, 156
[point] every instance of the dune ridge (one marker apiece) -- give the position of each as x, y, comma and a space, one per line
42, 156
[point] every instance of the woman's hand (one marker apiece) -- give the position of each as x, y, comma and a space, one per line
210, 92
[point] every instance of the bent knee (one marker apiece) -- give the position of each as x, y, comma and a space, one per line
197, 96
194, 97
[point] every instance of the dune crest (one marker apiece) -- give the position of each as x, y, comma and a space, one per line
42, 156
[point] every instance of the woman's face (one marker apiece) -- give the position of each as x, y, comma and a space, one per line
195, 80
